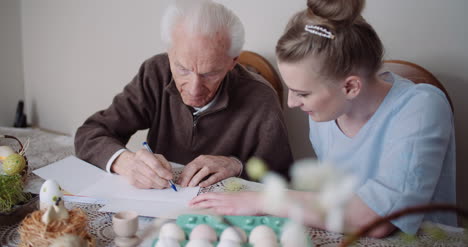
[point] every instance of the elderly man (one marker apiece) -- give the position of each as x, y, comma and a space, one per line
202, 108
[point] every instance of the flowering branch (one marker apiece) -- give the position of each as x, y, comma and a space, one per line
411, 210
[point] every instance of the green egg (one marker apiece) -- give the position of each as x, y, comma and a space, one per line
14, 164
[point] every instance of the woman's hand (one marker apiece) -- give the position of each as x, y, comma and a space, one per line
234, 203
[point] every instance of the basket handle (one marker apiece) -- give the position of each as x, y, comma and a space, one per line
12, 137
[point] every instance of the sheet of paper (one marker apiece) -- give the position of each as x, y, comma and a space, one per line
167, 210
116, 187
83, 179
71, 173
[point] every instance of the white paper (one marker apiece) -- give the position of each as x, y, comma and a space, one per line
83, 179
120, 189
71, 173
168, 210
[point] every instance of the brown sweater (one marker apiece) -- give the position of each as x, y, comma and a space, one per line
245, 121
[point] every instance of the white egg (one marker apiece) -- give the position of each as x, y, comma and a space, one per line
172, 230
235, 234
262, 233
5, 151
203, 231
228, 243
199, 243
49, 193
294, 235
266, 243
167, 242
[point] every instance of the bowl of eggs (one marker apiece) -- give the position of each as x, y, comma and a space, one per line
229, 231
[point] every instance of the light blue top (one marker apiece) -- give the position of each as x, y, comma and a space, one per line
403, 156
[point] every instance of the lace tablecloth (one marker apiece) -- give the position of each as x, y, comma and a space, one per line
46, 148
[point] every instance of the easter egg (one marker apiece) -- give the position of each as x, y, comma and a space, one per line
199, 243
228, 243
5, 151
203, 231
172, 230
167, 242
14, 164
234, 233
262, 233
50, 192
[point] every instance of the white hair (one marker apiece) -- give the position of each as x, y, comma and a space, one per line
203, 17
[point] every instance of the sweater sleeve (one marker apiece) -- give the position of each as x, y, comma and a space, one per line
109, 130
273, 146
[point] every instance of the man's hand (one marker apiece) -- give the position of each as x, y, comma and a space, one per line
213, 168
143, 169
237, 203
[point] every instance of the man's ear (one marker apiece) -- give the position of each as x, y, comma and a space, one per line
352, 86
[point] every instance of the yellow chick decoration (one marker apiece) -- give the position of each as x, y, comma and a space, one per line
55, 212
14, 164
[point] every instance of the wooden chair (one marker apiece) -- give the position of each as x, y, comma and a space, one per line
256, 63
415, 73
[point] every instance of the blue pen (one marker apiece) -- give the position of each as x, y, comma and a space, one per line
145, 144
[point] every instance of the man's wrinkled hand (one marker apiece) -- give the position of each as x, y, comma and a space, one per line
143, 169
206, 170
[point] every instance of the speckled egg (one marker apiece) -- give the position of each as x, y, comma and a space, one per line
172, 230
262, 233
14, 164
235, 234
50, 192
203, 231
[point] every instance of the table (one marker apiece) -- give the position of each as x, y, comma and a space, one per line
46, 148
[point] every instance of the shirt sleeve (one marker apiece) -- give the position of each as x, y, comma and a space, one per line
415, 147
108, 131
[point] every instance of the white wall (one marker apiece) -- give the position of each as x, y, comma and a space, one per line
79, 54
11, 68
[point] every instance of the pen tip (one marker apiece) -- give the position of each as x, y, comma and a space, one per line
174, 187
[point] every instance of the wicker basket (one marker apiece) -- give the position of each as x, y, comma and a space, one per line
18, 212
26, 171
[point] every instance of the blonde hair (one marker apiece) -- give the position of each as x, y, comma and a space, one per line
203, 17
354, 49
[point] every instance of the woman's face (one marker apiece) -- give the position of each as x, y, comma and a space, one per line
322, 100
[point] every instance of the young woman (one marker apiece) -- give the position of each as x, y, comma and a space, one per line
395, 136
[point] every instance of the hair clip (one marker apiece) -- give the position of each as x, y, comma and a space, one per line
320, 31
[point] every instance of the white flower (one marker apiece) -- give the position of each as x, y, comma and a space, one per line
311, 175
274, 193
333, 188
333, 199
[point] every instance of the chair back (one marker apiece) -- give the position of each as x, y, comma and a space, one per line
415, 73
258, 64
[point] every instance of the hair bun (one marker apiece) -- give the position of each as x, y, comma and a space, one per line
337, 12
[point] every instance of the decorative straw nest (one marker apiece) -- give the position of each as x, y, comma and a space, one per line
35, 233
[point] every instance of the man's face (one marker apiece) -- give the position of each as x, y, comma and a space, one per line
199, 64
